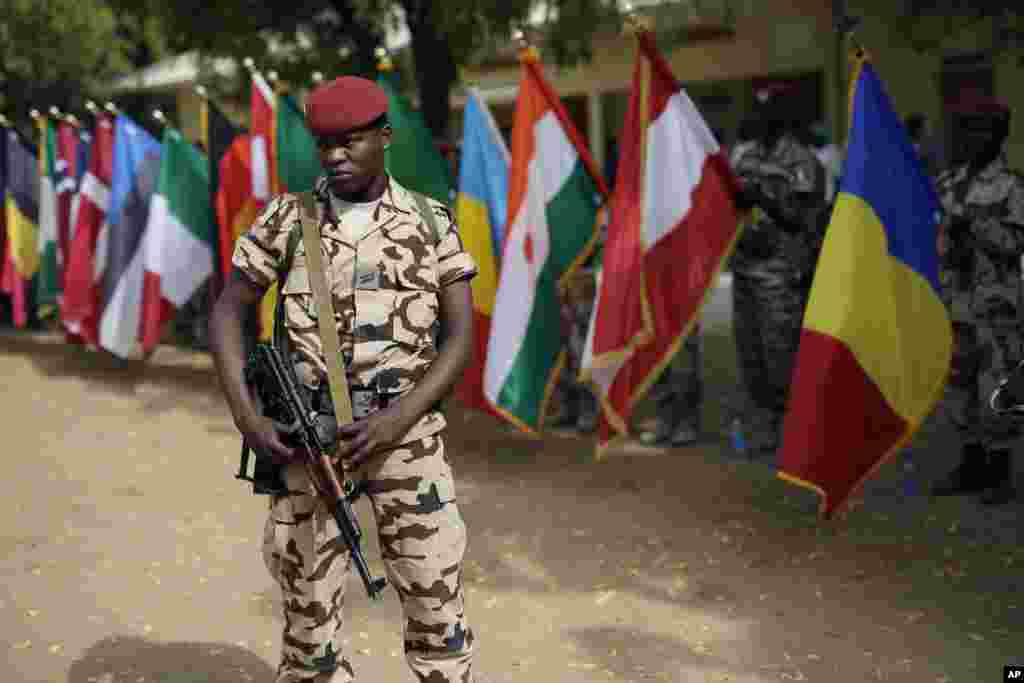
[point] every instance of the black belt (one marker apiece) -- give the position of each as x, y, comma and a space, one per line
366, 400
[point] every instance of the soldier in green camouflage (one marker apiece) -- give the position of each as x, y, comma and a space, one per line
774, 260
394, 275
578, 408
981, 243
678, 395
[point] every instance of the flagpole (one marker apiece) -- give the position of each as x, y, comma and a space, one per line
162, 119
639, 26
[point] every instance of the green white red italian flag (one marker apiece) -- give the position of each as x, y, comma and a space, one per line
554, 198
49, 276
672, 227
179, 237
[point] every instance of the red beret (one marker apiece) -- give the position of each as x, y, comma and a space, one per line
973, 102
344, 104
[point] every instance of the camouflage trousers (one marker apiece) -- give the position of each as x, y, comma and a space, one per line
422, 540
983, 355
766, 325
576, 397
679, 391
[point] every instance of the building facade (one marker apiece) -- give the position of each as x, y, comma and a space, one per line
925, 50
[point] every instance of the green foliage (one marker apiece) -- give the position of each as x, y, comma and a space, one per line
58, 52
298, 37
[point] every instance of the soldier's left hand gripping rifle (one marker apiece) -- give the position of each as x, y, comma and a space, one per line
280, 399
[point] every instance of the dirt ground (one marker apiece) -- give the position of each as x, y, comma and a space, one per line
129, 554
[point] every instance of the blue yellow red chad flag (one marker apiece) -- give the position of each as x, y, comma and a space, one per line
876, 341
480, 213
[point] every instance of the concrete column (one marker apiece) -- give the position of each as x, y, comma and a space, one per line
188, 104
595, 128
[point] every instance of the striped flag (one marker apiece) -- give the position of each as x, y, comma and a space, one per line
263, 103
178, 242
877, 340
298, 158
48, 279
673, 225
553, 203
216, 134
3, 217
66, 160
83, 146
136, 171
82, 304
481, 210
21, 208
235, 205
413, 158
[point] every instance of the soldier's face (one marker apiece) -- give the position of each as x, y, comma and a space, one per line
770, 119
979, 138
355, 159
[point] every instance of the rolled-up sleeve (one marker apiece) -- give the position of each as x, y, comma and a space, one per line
260, 251
454, 263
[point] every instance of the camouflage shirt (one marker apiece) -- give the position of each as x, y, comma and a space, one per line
385, 286
993, 204
791, 175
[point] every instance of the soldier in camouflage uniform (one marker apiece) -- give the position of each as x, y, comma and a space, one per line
393, 277
678, 395
981, 243
774, 259
577, 404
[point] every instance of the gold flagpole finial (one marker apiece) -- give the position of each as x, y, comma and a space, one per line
55, 112
272, 77
91, 107
384, 62
249, 63
634, 22
527, 52
159, 116
34, 114
202, 92
317, 77
112, 108
73, 120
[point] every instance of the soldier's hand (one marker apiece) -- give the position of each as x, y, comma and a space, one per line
371, 434
260, 434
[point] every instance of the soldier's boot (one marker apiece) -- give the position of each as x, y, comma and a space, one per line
586, 423
764, 436
968, 477
685, 434
568, 411
1000, 479
659, 435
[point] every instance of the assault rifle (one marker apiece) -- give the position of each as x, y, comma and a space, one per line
280, 399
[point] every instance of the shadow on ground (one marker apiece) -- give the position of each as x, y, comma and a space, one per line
54, 359
128, 660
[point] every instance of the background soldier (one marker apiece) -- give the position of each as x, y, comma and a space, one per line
392, 277
981, 241
774, 259
577, 404
678, 395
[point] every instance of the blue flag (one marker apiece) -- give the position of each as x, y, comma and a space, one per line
136, 170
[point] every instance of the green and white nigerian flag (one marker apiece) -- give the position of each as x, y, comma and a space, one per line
179, 237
